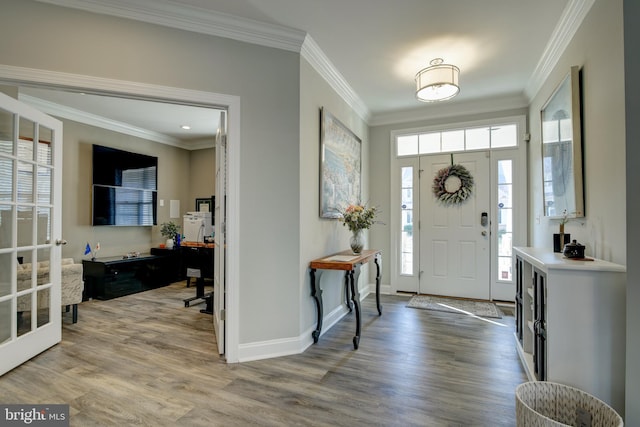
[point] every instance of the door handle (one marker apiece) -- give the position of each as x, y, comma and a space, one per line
61, 242
484, 233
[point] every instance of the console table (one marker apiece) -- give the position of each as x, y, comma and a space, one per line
349, 263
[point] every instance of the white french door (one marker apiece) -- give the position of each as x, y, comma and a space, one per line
30, 230
220, 220
454, 239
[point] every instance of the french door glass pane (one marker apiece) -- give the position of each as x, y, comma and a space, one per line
6, 179
25, 226
45, 138
6, 132
24, 314
5, 321
6, 225
44, 305
6, 261
45, 185
44, 226
25, 182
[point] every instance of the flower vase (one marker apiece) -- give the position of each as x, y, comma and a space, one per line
169, 244
357, 242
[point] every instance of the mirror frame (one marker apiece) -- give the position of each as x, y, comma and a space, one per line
570, 102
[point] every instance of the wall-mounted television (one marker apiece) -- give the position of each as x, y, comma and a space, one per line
124, 188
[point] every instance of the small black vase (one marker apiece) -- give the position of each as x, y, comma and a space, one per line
559, 240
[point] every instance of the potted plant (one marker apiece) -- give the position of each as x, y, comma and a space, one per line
169, 230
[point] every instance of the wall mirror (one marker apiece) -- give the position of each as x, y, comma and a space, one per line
562, 150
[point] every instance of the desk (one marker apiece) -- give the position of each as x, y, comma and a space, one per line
350, 264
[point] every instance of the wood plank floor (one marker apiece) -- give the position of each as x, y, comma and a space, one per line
146, 360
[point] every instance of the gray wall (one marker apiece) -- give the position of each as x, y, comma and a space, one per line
598, 48
173, 183
320, 237
632, 71
68, 40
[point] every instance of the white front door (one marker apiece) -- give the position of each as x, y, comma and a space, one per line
454, 240
220, 218
30, 208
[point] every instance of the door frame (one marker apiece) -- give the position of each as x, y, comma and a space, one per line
521, 189
11, 75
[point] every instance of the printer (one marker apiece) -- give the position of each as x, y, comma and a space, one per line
197, 226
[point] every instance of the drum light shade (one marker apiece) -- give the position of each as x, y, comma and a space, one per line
437, 82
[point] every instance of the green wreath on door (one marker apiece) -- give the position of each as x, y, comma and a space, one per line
460, 193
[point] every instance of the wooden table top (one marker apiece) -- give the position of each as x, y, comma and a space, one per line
345, 260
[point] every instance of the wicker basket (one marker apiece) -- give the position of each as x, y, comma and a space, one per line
548, 404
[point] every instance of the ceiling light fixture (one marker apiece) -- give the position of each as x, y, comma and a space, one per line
185, 127
437, 82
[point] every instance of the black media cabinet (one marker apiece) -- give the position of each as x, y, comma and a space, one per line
107, 278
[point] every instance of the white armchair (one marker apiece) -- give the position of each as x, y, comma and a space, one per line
72, 285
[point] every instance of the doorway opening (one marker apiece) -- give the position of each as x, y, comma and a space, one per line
175, 97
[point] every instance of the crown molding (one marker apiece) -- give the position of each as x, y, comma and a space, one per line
437, 111
190, 18
568, 25
323, 65
69, 113
194, 19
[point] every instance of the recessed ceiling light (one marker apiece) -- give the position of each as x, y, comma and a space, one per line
186, 127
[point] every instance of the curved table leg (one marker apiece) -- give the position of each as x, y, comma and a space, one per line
346, 292
378, 279
355, 297
316, 293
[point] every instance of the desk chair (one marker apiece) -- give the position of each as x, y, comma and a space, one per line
195, 264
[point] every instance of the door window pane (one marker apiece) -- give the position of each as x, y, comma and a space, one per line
25, 139
45, 138
5, 321
430, 143
6, 262
25, 226
505, 218
6, 179
504, 136
477, 139
25, 182
406, 223
6, 226
453, 140
24, 314
6, 132
44, 226
44, 185
407, 145
44, 305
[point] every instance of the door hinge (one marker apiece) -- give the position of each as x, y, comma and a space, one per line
223, 315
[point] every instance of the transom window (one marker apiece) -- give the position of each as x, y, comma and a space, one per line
467, 139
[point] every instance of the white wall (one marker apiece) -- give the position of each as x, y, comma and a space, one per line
632, 70
598, 48
72, 41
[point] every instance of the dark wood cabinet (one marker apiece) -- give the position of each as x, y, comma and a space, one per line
107, 278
